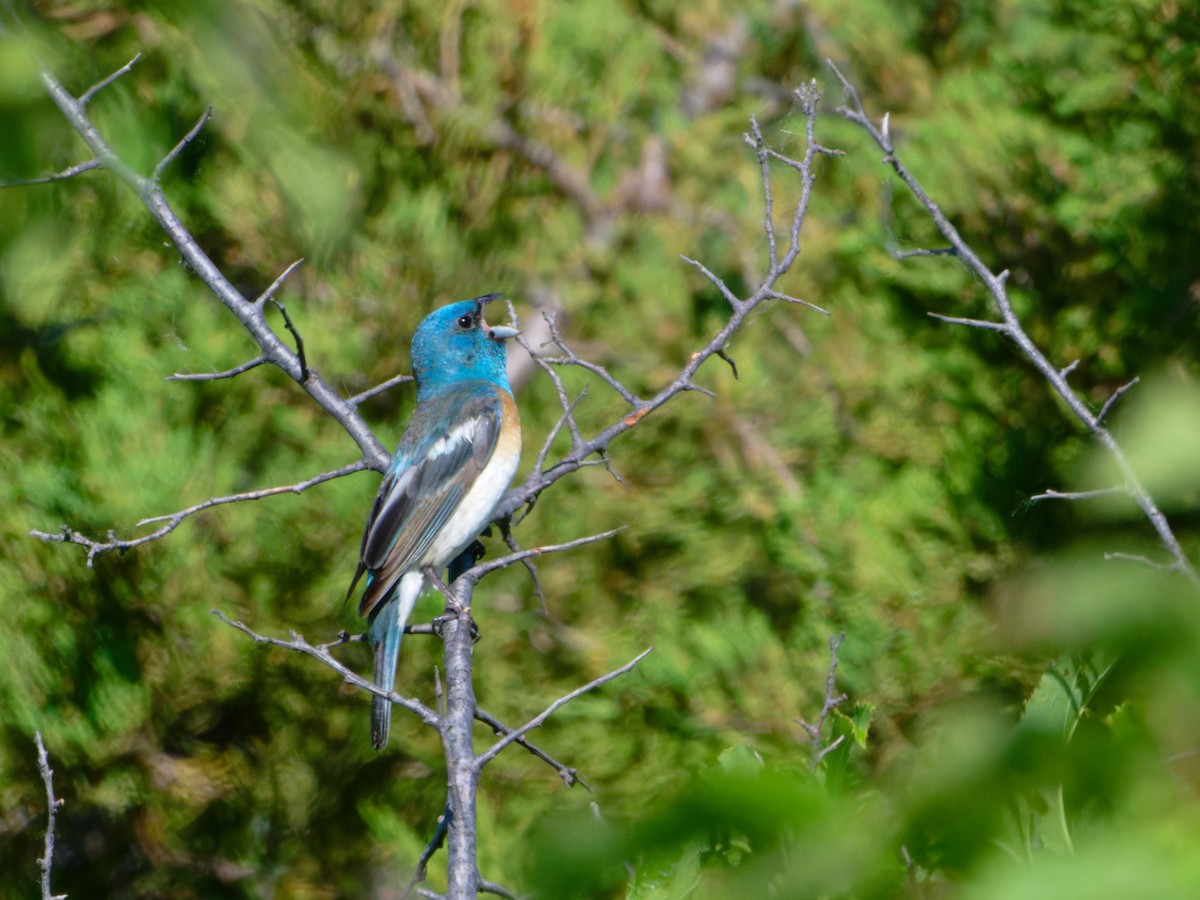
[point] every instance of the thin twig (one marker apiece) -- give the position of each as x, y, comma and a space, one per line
67, 535
1116, 395
179, 148
86, 97
937, 251
299, 645
214, 376
481, 569
58, 176
970, 323
275, 285
1051, 494
295, 332
492, 752
568, 774
274, 350
832, 702
46, 863
357, 399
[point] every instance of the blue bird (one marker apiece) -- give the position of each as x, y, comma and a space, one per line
452, 465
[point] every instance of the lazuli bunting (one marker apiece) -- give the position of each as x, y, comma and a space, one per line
453, 464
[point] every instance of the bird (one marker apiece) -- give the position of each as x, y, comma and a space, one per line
452, 465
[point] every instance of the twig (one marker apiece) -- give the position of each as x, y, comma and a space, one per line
357, 399
1010, 325
1116, 395
86, 97
1051, 494
1141, 560
52, 805
68, 535
435, 843
71, 172
492, 752
178, 148
832, 702
937, 251
214, 376
275, 285
568, 774
291, 327
478, 571
299, 645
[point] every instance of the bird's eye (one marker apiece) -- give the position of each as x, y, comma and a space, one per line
466, 321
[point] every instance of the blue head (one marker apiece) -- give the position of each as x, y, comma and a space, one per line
454, 343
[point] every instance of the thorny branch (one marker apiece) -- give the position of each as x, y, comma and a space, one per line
1010, 326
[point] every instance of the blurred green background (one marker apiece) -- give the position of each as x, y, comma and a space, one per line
1023, 717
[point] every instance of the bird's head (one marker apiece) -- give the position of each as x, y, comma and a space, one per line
455, 343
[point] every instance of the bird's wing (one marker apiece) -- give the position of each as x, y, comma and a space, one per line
449, 442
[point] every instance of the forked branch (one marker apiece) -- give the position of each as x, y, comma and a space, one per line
1010, 326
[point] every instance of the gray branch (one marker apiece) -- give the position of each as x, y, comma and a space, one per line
1010, 326
46, 863
778, 265
68, 535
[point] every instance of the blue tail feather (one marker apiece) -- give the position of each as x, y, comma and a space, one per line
385, 630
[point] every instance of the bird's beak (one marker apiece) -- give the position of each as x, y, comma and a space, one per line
500, 332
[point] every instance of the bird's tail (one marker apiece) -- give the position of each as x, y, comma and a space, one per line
385, 630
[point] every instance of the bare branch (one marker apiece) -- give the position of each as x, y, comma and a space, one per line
832, 702
492, 752
172, 520
540, 479
569, 775
478, 571
729, 296
775, 295
59, 176
86, 97
970, 323
570, 358
1052, 494
299, 645
179, 148
1011, 326
1142, 560
52, 805
358, 399
764, 157
274, 350
938, 251
213, 376
435, 844
1116, 395
275, 285
490, 887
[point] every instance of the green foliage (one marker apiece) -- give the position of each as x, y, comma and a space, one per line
1022, 713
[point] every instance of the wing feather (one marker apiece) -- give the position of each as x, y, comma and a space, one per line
439, 457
